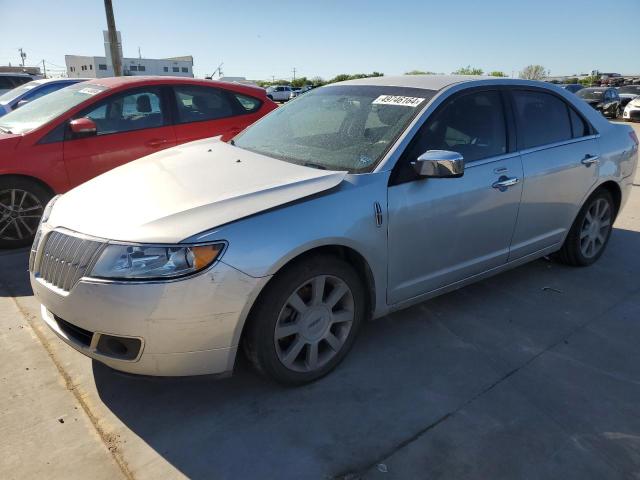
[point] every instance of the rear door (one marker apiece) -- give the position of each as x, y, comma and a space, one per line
560, 162
203, 112
131, 124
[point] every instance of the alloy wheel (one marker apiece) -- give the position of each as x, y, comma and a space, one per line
595, 228
314, 323
20, 213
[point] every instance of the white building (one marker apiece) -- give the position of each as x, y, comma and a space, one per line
79, 66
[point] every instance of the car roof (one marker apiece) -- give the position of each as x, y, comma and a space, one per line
10, 74
427, 82
117, 82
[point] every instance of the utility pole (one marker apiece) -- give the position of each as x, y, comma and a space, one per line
23, 55
294, 74
44, 69
113, 39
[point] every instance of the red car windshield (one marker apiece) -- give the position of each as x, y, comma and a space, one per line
44, 109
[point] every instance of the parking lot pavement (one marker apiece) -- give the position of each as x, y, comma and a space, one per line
44, 431
534, 373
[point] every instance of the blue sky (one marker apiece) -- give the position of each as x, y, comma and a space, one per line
258, 39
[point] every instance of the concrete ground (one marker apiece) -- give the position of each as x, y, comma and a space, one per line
534, 373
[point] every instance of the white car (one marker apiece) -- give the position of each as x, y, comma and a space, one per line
632, 110
353, 201
279, 93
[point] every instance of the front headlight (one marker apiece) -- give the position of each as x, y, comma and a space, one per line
45, 216
148, 262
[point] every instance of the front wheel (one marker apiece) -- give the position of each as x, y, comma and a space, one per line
590, 231
306, 320
22, 204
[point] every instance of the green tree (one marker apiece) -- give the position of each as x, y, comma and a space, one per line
468, 70
344, 76
534, 72
497, 73
299, 82
418, 72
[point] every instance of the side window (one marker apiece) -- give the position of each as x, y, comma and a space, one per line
249, 104
41, 92
197, 104
578, 125
472, 125
542, 119
125, 113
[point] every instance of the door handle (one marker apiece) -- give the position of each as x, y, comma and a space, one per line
156, 142
589, 160
505, 182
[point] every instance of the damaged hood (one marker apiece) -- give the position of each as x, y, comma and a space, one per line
179, 192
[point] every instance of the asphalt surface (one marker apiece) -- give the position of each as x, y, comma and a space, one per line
534, 373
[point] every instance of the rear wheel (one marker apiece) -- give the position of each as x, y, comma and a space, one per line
306, 320
590, 231
22, 204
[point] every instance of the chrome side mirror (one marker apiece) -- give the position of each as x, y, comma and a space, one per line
439, 164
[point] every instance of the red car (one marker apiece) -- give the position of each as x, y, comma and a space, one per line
70, 136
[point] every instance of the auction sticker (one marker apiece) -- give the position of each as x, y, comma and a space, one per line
90, 91
398, 100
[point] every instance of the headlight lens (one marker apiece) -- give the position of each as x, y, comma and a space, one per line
145, 262
45, 216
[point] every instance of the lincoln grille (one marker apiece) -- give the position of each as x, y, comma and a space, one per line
65, 259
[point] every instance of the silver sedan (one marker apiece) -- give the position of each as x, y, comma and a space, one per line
353, 201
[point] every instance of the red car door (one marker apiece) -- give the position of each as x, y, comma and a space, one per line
130, 125
203, 111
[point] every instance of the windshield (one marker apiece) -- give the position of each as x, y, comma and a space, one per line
37, 113
342, 127
16, 92
635, 89
590, 94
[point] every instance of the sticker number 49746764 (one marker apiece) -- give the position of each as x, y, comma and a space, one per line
398, 100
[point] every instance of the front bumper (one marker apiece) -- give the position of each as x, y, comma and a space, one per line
631, 114
186, 327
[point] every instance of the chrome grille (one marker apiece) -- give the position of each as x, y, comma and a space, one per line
65, 259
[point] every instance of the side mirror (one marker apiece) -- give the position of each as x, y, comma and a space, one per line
20, 104
439, 164
83, 127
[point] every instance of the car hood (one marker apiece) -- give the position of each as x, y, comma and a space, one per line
179, 192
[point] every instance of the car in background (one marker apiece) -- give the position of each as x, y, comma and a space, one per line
300, 91
29, 91
604, 99
628, 93
9, 81
279, 93
63, 139
572, 87
353, 201
631, 112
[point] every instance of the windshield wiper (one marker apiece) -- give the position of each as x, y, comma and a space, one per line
4, 129
314, 165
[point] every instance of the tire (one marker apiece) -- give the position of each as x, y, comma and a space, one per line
22, 204
279, 339
575, 250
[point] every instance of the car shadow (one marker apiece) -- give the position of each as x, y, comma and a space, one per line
406, 373
14, 273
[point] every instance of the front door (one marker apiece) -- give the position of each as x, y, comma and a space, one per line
130, 125
444, 230
560, 162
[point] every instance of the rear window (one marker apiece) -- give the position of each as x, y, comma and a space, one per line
249, 104
542, 119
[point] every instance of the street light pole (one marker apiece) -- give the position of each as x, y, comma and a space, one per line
113, 39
